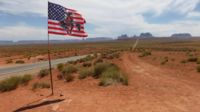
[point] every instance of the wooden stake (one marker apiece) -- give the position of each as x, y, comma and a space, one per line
135, 45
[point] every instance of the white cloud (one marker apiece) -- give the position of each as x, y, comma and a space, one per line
21, 32
98, 6
183, 6
23, 6
175, 27
193, 14
114, 17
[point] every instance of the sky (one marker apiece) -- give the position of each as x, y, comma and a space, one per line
27, 19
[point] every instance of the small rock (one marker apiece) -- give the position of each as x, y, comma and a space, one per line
61, 95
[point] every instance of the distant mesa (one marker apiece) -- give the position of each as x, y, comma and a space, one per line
181, 35
142, 35
123, 37
146, 35
6, 42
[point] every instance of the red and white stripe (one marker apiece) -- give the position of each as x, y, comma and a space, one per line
54, 27
76, 16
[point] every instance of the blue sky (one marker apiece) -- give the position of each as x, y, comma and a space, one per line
22, 20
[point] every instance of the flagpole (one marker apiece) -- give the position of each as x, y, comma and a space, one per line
50, 67
49, 57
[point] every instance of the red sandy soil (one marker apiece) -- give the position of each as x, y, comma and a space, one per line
152, 88
187, 70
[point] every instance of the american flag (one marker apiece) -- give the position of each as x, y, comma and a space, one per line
64, 21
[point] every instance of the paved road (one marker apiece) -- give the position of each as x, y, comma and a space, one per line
26, 68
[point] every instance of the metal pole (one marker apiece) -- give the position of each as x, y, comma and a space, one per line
49, 55
50, 68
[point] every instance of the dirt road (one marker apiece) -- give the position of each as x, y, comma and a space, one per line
151, 89
160, 90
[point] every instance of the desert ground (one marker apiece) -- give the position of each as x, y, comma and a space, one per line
166, 80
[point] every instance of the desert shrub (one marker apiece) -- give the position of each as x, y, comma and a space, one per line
173, 59
103, 55
9, 83
191, 55
68, 77
13, 82
75, 54
87, 64
60, 66
72, 62
124, 79
164, 60
67, 73
43, 73
69, 69
80, 60
100, 68
198, 68
40, 85
19, 62
99, 60
192, 59
109, 56
198, 61
85, 73
113, 76
87, 58
95, 55
183, 61
25, 79
60, 76
140, 49
29, 57
145, 53
187, 53
116, 55
9, 61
